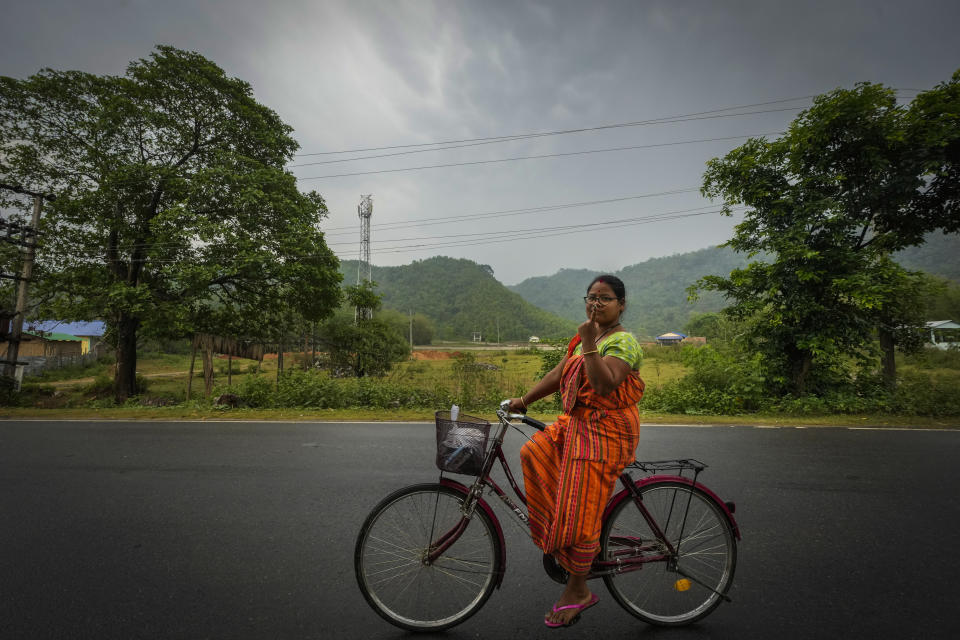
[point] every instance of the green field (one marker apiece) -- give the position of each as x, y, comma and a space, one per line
488, 373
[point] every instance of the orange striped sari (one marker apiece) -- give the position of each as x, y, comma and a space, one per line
571, 468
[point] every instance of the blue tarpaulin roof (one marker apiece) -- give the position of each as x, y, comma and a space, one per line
95, 328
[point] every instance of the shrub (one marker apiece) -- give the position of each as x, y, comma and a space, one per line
717, 383
686, 396
921, 394
317, 390
550, 358
8, 395
931, 358
256, 391
476, 385
101, 385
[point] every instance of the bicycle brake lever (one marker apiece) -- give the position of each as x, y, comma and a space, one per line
505, 407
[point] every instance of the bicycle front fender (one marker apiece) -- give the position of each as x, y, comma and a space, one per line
624, 494
483, 506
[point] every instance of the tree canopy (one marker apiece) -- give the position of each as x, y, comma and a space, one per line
856, 177
362, 346
174, 212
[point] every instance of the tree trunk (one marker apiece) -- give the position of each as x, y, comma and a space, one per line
279, 362
207, 372
193, 359
800, 362
125, 381
887, 359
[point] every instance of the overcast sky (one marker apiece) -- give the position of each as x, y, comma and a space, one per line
360, 75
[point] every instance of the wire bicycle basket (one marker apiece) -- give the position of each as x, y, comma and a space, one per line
461, 443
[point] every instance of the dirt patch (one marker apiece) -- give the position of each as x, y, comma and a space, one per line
433, 355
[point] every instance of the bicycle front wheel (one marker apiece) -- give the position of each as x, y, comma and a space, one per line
391, 567
678, 590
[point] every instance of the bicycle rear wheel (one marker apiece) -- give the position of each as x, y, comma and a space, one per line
663, 592
389, 559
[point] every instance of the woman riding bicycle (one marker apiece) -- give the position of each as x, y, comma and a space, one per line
570, 469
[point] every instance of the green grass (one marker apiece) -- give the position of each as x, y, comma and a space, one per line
656, 373
72, 372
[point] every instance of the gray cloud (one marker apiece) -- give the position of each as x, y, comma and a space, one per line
359, 74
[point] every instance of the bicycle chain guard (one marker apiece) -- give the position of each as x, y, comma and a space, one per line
554, 570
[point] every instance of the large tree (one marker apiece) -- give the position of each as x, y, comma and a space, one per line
856, 177
362, 346
174, 212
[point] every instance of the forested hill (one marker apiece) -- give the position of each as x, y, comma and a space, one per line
940, 256
460, 297
656, 288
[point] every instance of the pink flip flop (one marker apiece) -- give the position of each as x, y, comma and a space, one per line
580, 609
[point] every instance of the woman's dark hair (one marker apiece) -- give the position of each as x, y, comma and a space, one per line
615, 283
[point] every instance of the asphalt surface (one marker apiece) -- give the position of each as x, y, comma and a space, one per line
246, 530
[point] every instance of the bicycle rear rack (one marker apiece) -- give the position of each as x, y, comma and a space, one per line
678, 466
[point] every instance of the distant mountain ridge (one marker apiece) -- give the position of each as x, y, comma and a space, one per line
657, 288
462, 297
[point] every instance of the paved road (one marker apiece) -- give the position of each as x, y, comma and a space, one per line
246, 530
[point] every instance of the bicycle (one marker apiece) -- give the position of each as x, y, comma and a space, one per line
430, 555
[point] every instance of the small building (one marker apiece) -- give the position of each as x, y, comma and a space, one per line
44, 344
670, 338
90, 333
944, 334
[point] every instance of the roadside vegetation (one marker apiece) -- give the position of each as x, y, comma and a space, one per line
706, 384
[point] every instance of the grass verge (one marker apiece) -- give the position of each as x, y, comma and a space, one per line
421, 415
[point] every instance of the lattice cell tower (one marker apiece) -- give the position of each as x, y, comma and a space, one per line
365, 211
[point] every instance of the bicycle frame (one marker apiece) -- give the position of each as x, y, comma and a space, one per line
631, 558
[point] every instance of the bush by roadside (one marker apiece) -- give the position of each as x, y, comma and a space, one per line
719, 384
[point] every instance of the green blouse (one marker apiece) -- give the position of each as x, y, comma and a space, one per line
619, 345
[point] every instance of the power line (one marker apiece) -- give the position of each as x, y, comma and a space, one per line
484, 234
548, 155
538, 135
422, 222
432, 247
439, 220
519, 136
386, 226
512, 235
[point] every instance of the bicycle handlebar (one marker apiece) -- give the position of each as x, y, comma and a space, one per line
522, 417
536, 424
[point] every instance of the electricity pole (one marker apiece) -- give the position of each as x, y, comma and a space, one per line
16, 329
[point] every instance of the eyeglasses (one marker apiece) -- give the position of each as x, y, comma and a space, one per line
598, 299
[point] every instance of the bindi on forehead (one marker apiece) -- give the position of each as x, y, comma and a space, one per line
602, 289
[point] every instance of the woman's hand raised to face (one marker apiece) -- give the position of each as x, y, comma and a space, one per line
589, 329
